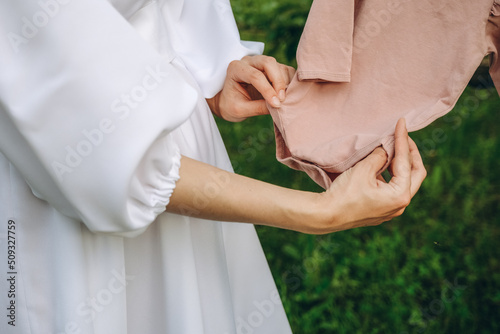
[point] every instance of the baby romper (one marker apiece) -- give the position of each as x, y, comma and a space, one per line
364, 64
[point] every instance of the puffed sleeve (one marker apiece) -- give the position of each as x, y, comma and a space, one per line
87, 107
205, 36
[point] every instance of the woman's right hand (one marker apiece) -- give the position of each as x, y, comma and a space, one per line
250, 83
360, 197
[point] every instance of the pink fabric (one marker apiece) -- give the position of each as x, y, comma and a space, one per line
364, 64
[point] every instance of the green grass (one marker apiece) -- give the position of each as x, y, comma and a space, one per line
436, 269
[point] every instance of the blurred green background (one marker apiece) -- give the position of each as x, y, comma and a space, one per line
436, 269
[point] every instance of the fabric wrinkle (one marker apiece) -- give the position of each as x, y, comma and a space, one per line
127, 85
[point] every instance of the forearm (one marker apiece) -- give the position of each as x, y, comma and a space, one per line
207, 192
358, 197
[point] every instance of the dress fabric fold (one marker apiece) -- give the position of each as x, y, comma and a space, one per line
98, 101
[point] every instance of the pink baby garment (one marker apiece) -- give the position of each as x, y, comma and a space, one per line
364, 64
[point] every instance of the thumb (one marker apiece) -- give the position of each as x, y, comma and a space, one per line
255, 108
244, 109
374, 161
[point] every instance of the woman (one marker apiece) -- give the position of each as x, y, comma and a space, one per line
105, 125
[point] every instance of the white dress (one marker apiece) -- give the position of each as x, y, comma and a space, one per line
98, 100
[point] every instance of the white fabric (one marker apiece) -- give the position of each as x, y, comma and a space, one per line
97, 103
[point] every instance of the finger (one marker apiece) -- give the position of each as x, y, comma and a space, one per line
284, 74
401, 164
381, 178
252, 108
252, 93
287, 72
418, 172
238, 105
272, 70
416, 158
243, 73
259, 108
374, 161
291, 73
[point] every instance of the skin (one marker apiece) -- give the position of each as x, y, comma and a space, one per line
358, 197
250, 82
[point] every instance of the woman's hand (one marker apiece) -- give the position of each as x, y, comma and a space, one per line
358, 197
362, 198
250, 83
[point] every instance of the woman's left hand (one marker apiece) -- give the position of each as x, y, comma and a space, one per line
250, 83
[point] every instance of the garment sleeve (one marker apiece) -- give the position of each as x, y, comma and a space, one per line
328, 56
209, 26
93, 104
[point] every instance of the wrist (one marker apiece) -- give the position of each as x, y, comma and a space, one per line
328, 214
312, 214
213, 103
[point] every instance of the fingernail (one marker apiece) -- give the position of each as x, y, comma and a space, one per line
282, 95
276, 103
